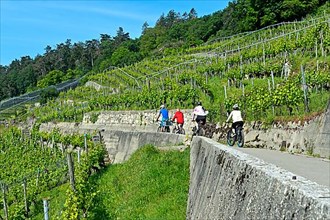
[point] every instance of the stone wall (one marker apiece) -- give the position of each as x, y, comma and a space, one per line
228, 184
295, 137
322, 142
132, 120
312, 137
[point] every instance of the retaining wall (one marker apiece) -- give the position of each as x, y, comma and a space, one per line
312, 137
120, 145
322, 142
228, 184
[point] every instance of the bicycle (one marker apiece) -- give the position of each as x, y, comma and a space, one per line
200, 131
238, 136
178, 129
164, 127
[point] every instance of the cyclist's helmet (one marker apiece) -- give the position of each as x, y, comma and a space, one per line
199, 103
236, 107
162, 106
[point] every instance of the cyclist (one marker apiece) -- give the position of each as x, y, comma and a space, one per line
164, 113
199, 114
236, 115
178, 116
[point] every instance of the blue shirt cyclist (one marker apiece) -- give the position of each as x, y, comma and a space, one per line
164, 113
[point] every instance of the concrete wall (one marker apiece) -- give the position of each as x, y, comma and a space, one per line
228, 184
120, 145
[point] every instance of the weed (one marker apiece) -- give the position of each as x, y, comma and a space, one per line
94, 116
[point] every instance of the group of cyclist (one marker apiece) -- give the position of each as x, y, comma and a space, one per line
199, 116
177, 117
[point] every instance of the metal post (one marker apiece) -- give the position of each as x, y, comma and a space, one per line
225, 92
46, 208
5, 208
273, 83
78, 152
25, 198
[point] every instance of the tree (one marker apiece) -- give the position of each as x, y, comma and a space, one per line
92, 51
144, 27
52, 78
126, 54
192, 14
120, 37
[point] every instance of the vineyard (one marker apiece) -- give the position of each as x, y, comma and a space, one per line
279, 71
36, 162
17, 105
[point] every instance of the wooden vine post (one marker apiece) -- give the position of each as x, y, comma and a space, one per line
71, 171
85, 143
273, 82
316, 52
37, 179
321, 43
305, 89
263, 54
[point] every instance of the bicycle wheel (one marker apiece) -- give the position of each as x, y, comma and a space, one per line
200, 131
159, 129
182, 131
231, 138
167, 129
240, 138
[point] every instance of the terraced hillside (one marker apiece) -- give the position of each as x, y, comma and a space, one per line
248, 68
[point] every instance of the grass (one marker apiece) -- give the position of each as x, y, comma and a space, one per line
56, 199
151, 185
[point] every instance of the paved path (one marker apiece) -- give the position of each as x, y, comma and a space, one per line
314, 169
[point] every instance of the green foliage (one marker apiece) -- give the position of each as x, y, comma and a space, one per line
80, 201
52, 78
94, 116
26, 158
37, 158
201, 73
150, 185
173, 33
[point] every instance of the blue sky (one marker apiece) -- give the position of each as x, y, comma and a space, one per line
27, 27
